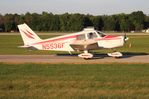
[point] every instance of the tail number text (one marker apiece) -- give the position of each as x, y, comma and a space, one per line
49, 46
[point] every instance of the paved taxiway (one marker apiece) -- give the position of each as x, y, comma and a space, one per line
67, 59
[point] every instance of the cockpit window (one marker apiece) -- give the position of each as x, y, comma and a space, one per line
92, 35
81, 37
101, 34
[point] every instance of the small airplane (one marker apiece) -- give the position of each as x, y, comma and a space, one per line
84, 41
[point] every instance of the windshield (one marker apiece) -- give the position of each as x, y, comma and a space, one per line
101, 34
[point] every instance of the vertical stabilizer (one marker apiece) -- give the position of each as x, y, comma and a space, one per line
28, 36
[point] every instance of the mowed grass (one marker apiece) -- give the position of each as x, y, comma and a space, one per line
40, 81
9, 45
138, 44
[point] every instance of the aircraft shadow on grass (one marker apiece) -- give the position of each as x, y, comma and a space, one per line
101, 55
132, 54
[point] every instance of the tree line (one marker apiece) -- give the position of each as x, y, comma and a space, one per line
136, 21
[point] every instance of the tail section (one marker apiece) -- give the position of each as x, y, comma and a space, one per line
28, 36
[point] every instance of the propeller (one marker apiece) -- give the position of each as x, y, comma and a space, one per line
125, 37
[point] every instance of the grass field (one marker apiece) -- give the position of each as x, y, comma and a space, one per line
9, 45
40, 81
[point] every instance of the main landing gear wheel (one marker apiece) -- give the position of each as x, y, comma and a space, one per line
86, 55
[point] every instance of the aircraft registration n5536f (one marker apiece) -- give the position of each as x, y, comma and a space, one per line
84, 41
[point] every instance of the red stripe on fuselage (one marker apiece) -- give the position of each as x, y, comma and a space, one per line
57, 39
109, 37
74, 36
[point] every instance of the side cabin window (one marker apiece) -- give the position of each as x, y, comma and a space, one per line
92, 35
81, 37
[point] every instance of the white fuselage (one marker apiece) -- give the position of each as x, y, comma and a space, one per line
88, 39
62, 43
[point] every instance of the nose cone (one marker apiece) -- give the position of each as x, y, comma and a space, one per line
126, 38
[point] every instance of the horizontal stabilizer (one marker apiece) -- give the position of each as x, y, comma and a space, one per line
29, 47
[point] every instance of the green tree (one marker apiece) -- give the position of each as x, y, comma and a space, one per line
54, 22
64, 22
137, 19
9, 22
76, 22
28, 18
110, 23
125, 23
87, 21
2, 27
146, 23
98, 22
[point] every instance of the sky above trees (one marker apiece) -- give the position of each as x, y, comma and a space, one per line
94, 7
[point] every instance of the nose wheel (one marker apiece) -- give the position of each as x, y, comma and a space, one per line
115, 54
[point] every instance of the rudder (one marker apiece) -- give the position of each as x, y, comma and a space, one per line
28, 36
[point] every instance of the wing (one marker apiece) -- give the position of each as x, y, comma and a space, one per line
81, 45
